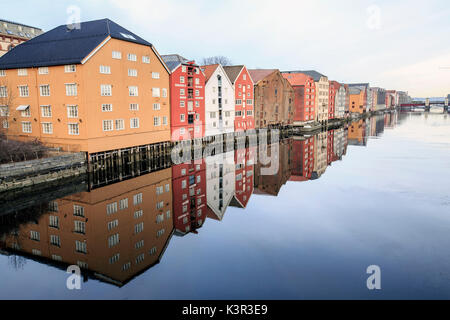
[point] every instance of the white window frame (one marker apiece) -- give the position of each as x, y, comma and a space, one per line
70, 114
134, 123
71, 126
109, 129
43, 92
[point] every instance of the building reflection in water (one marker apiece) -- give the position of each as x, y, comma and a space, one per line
118, 231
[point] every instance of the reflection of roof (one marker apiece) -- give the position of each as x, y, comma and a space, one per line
62, 46
209, 70
259, 74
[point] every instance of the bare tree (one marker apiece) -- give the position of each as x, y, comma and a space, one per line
216, 60
7, 98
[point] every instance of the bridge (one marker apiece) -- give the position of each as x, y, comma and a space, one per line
425, 105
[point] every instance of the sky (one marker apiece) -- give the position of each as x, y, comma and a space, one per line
400, 45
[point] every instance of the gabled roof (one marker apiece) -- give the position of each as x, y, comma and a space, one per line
259, 74
362, 85
312, 73
173, 60
233, 72
209, 70
62, 45
296, 79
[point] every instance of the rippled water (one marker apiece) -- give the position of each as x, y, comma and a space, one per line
375, 193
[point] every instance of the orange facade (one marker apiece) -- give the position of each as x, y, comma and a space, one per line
357, 103
103, 104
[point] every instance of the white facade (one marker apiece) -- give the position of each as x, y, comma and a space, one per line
340, 102
220, 182
219, 104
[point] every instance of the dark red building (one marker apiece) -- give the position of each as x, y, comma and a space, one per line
333, 89
305, 96
187, 98
243, 88
302, 158
330, 145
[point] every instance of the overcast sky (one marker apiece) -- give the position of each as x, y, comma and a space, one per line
402, 45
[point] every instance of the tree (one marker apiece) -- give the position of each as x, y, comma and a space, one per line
216, 60
7, 98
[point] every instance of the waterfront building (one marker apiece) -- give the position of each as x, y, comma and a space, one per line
357, 98
322, 94
274, 98
332, 90
337, 99
367, 96
379, 98
244, 90
244, 173
189, 196
219, 101
357, 134
305, 96
347, 101
112, 233
87, 89
303, 150
320, 155
340, 143
391, 99
330, 147
187, 98
12, 34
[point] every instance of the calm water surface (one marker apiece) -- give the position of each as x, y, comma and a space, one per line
383, 198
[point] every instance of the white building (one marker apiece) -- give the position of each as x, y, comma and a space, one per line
219, 101
220, 183
340, 102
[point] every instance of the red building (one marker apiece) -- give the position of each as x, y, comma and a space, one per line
243, 88
305, 96
245, 166
302, 158
187, 98
189, 196
330, 145
333, 89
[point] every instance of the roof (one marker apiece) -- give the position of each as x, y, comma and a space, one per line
233, 72
61, 45
18, 24
296, 79
312, 73
173, 60
209, 70
354, 90
15, 29
259, 74
365, 85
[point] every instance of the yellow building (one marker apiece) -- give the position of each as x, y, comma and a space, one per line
93, 89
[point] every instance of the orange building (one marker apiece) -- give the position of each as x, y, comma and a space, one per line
92, 89
112, 233
357, 100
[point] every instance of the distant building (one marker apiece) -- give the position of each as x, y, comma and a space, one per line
357, 100
322, 94
219, 101
88, 89
12, 34
244, 173
337, 97
347, 101
379, 98
305, 96
244, 90
303, 150
366, 102
274, 98
187, 98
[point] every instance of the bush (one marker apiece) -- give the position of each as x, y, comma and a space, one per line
16, 151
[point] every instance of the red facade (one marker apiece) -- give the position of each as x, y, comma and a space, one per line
302, 159
333, 89
189, 196
330, 147
187, 101
245, 163
305, 96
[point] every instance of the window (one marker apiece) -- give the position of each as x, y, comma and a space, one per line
244, 77
138, 214
183, 68
183, 184
137, 199
120, 124
107, 107
156, 92
197, 81
111, 208
140, 258
36, 252
113, 240
55, 240
46, 111
47, 127
134, 123
105, 69
82, 264
26, 127
80, 227
117, 55
108, 125
181, 79
113, 224
152, 251
34, 235
2, 73
3, 92
106, 90
159, 218
165, 120
159, 190
45, 90
123, 204
72, 111
238, 113
156, 121
139, 228
164, 93
134, 107
5, 124
22, 72
42, 70
249, 101
139, 244
23, 91
182, 103
132, 73
56, 257
249, 112
145, 59
160, 233
197, 93
167, 187
78, 211
155, 75
74, 130
53, 222
182, 92
128, 36
80, 247
182, 117
71, 89
133, 91
132, 57
70, 68
114, 258
168, 215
